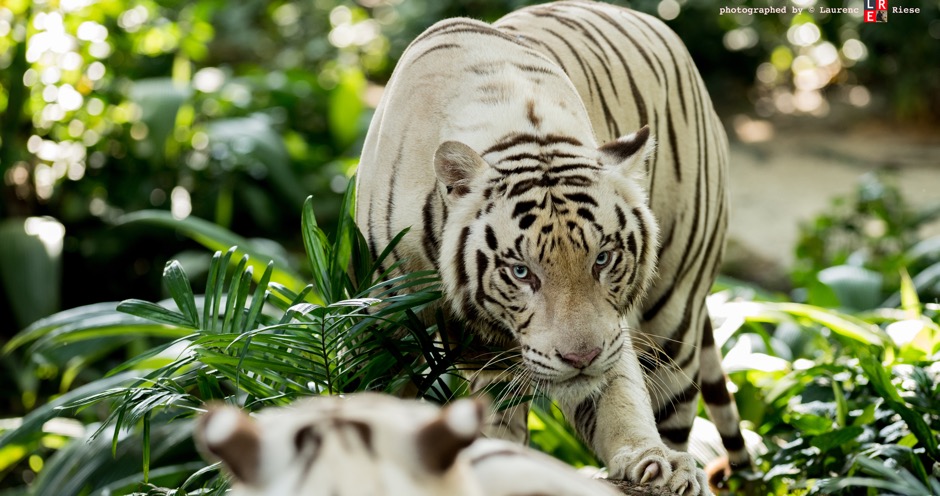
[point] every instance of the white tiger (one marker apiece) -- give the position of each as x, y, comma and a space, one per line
588, 263
377, 445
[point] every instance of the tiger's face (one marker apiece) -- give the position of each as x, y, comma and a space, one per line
548, 245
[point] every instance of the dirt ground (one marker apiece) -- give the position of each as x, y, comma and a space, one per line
793, 176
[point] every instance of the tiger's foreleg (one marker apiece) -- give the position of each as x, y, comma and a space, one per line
617, 421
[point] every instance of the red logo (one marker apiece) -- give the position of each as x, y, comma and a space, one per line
876, 10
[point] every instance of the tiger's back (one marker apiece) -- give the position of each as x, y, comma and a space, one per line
439, 92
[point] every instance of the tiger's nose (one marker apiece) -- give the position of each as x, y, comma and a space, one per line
580, 360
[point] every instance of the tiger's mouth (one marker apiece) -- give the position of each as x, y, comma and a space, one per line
574, 388
578, 379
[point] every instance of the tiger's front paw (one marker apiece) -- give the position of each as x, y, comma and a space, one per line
674, 470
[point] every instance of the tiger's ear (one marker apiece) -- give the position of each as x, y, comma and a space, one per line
456, 164
228, 434
441, 440
628, 152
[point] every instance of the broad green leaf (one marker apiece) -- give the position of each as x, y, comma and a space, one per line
87, 466
219, 291
30, 266
146, 447
856, 288
115, 326
252, 141
842, 408
924, 280
128, 484
211, 304
31, 427
234, 294
257, 300
558, 440
159, 100
841, 323
316, 246
928, 249
10, 455
66, 317
812, 425
214, 237
831, 439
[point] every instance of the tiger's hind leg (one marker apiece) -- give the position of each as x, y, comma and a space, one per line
719, 401
512, 422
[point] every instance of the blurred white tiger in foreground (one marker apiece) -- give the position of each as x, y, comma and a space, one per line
374, 445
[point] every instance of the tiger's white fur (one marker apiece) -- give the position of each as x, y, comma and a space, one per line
486, 144
377, 445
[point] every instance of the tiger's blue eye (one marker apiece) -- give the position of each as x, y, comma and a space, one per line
520, 271
602, 258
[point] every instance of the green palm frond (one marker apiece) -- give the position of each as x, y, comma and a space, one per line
251, 340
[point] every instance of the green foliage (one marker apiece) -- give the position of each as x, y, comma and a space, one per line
844, 389
235, 112
836, 397
854, 254
248, 341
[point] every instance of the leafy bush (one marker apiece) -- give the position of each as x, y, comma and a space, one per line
830, 392
844, 390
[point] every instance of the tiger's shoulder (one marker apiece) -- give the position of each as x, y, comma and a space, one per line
378, 445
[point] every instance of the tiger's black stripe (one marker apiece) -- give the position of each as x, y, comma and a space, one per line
430, 240
686, 395
515, 139
585, 418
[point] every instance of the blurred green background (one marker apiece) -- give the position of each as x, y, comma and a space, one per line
234, 112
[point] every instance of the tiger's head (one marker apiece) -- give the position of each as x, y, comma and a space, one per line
548, 244
363, 444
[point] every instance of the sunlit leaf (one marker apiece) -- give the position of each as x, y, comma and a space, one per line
909, 300
839, 322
